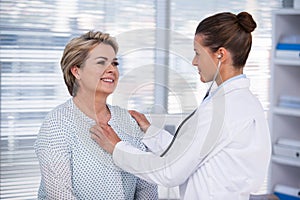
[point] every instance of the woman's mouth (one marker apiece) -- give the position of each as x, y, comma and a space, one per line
108, 80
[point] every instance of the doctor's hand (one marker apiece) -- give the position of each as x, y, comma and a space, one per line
105, 136
141, 119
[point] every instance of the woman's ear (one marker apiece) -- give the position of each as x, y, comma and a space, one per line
75, 72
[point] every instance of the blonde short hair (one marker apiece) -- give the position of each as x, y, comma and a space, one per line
76, 53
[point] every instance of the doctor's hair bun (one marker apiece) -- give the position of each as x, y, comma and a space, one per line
246, 21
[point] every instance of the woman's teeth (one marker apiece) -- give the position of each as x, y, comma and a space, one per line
107, 80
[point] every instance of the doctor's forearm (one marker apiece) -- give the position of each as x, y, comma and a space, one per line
150, 167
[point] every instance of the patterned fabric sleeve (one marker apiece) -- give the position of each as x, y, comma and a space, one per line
54, 158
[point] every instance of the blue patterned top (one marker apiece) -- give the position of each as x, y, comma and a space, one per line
72, 164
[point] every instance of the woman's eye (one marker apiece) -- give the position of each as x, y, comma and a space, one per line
101, 62
115, 63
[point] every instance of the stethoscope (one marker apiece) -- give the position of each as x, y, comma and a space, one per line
188, 117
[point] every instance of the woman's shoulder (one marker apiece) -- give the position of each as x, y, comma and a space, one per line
60, 110
120, 113
53, 127
122, 119
117, 109
59, 116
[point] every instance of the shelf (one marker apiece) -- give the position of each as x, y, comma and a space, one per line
286, 161
287, 111
285, 80
283, 61
287, 11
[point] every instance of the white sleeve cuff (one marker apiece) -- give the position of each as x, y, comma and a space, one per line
127, 157
157, 139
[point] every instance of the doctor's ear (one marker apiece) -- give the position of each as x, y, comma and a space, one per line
221, 53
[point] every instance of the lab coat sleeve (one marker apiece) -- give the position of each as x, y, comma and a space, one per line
156, 139
177, 165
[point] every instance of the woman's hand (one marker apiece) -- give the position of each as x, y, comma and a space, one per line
105, 136
141, 119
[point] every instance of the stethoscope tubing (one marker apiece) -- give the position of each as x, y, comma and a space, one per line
188, 117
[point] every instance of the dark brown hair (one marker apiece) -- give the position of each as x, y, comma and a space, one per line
230, 31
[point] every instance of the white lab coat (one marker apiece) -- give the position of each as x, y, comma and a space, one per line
222, 151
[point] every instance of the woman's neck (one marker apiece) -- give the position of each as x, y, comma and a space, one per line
94, 107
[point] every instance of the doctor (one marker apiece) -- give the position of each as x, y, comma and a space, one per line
222, 151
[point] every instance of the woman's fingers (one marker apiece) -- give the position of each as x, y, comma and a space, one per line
110, 134
105, 137
96, 134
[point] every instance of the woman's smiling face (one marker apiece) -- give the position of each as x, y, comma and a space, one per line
100, 73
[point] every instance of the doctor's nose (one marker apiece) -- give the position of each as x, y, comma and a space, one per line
194, 61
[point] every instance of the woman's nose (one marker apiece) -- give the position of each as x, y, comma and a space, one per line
110, 68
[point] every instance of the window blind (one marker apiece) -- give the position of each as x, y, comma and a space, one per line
32, 37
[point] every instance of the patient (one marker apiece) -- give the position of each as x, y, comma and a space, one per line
72, 165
